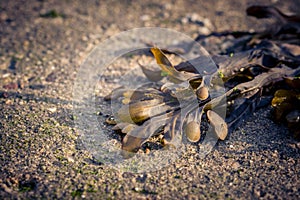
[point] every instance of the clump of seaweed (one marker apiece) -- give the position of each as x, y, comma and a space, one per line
264, 69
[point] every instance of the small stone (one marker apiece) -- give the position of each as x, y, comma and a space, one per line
168, 6
208, 24
3, 16
111, 120
84, 38
133, 180
5, 75
9, 102
147, 151
26, 44
184, 20
11, 86
70, 159
27, 176
145, 18
235, 165
204, 30
52, 109
195, 17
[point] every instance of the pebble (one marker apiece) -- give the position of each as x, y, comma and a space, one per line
235, 165
195, 18
9, 102
204, 30
11, 86
168, 6
3, 16
84, 38
184, 20
133, 180
26, 44
147, 151
145, 17
70, 159
27, 177
52, 109
21, 102
5, 75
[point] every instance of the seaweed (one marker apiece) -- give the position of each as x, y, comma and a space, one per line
265, 70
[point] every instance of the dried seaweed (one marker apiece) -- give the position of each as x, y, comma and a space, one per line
177, 106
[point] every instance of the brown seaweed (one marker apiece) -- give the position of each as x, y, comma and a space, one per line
175, 108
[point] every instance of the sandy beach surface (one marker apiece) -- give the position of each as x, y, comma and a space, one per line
43, 44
